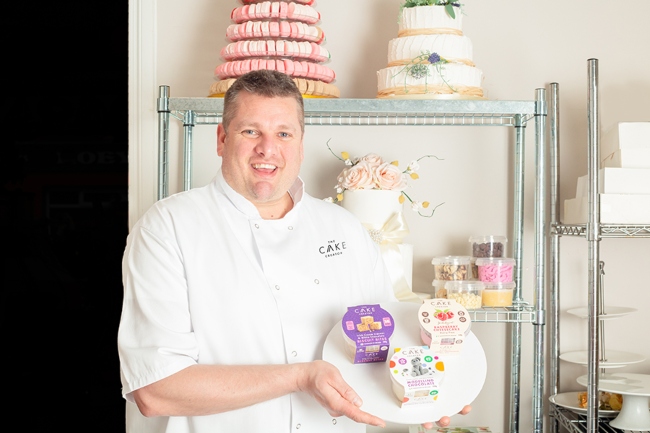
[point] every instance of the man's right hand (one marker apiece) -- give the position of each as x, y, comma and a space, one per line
324, 382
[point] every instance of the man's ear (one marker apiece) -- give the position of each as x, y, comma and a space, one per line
221, 137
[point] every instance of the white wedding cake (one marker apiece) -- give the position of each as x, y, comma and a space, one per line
381, 213
430, 58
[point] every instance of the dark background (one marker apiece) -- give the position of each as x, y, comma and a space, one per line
65, 212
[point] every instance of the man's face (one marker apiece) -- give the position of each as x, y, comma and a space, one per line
262, 150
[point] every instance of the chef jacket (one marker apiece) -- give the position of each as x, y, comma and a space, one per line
208, 281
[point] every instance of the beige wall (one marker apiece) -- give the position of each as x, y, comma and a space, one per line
520, 46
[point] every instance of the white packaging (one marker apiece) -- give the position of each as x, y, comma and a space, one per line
625, 135
614, 209
627, 158
617, 181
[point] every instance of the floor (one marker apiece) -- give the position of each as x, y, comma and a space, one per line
64, 212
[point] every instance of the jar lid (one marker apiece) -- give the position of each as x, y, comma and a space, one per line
500, 285
451, 260
488, 239
482, 261
464, 285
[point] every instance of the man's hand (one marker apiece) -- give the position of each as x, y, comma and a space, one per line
324, 382
445, 420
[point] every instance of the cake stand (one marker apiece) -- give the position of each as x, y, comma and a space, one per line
635, 388
465, 373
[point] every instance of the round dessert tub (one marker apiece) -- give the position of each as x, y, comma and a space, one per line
495, 269
451, 268
498, 294
466, 293
488, 246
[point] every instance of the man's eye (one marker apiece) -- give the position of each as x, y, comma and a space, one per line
249, 132
284, 135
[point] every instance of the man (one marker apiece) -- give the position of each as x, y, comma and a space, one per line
228, 292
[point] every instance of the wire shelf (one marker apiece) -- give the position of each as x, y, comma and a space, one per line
606, 230
577, 423
377, 112
520, 313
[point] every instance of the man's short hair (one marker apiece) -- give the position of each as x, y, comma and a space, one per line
270, 84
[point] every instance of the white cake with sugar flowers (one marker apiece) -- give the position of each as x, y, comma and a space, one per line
375, 192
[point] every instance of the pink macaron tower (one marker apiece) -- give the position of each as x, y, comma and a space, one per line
276, 35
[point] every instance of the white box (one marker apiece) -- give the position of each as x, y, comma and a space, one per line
625, 135
614, 209
617, 181
627, 158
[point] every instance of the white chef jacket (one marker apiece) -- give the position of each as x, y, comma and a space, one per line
208, 281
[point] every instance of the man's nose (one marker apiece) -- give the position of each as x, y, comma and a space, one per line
265, 146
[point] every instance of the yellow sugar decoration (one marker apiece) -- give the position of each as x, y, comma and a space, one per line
440, 366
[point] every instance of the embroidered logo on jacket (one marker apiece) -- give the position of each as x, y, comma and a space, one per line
333, 248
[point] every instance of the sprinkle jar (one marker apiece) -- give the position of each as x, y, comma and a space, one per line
495, 269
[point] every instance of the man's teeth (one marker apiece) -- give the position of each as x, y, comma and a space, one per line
267, 166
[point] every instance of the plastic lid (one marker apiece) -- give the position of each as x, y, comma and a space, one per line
451, 260
488, 238
464, 285
482, 261
500, 285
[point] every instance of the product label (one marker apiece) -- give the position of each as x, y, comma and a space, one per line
369, 327
418, 373
447, 322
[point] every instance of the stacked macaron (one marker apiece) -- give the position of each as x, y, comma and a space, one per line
281, 36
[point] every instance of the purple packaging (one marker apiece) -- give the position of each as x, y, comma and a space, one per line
367, 330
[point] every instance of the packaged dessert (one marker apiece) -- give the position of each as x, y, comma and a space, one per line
496, 294
466, 293
416, 373
439, 290
444, 324
495, 269
488, 246
367, 330
451, 268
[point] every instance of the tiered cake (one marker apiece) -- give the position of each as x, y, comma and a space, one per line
624, 178
430, 58
381, 213
276, 35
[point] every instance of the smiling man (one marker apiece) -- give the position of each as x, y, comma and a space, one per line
230, 289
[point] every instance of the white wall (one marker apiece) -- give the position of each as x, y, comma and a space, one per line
520, 46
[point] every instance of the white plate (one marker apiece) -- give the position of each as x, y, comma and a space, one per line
569, 400
464, 373
615, 358
610, 312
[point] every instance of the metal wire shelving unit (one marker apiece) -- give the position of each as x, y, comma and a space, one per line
593, 231
194, 112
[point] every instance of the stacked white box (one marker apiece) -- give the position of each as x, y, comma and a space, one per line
624, 178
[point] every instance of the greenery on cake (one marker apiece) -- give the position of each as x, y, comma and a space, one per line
418, 68
449, 5
371, 172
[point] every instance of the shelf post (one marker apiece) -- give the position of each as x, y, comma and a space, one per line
540, 258
593, 237
163, 141
189, 121
554, 263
